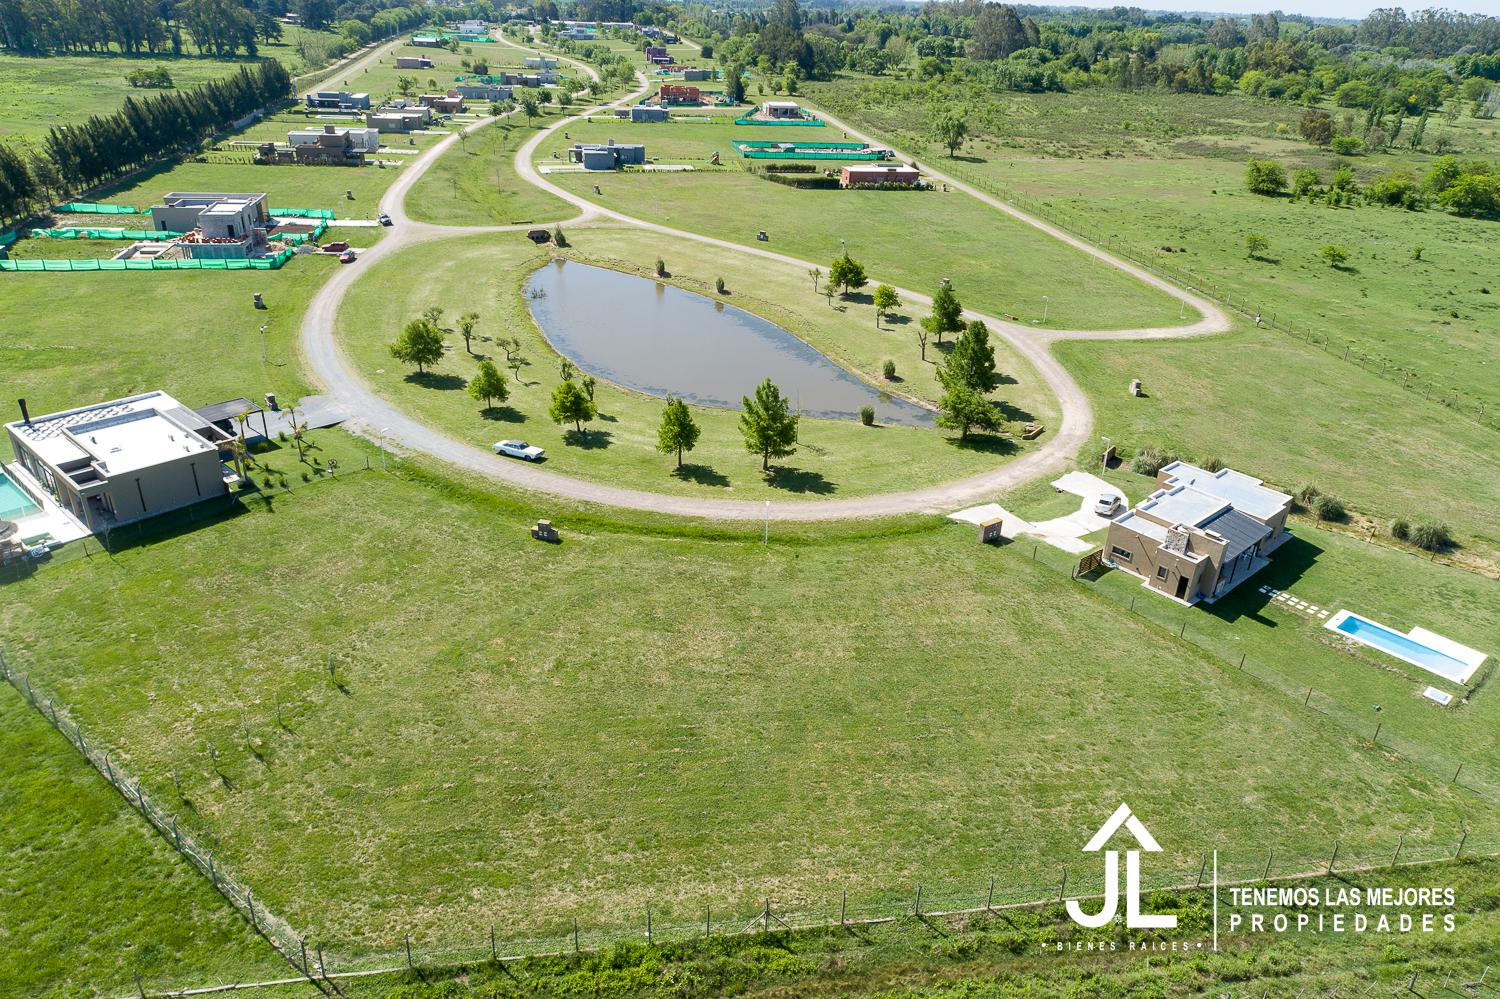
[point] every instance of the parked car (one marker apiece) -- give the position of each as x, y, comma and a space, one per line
347, 257
520, 449
383, 219
1108, 504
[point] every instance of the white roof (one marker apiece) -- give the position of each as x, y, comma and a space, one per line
122, 435
1245, 493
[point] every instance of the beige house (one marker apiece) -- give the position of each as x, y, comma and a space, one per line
120, 461
1201, 533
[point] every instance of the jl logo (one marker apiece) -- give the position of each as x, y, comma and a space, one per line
1134, 918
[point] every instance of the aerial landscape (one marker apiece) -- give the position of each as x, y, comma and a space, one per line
632, 498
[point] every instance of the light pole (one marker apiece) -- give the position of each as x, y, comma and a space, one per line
383, 432
263, 358
1046, 304
766, 537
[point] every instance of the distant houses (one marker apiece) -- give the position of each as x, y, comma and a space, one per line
539, 62
878, 175
337, 100
412, 62
647, 113
610, 156
484, 92
399, 119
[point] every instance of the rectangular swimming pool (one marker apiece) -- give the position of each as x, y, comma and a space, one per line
14, 501
1407, 648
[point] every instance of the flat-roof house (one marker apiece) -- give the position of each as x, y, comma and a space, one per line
117, 462
398, 119
579, 34
875, 175
484, 92
218, 226
472, 27
692, 75
338, 100
1200, 533
657, 55
412, 62
783, 109
645, 112
443, 103
611, 156
347, 140
427, 41
539, 62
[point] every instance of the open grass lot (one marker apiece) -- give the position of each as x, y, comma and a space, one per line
381, 81
835, 458
526, 733
1295, 416
476, 183
74, 338
289, 185
1162, 176
998, 265
92, 896
36, 92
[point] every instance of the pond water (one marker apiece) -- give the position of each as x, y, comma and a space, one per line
662, 340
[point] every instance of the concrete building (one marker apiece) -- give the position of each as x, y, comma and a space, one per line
874, 175
484, 92
783, 109
427, 41
657, 55
392, 119
338, 100
644, 112
692, 75
118, 462
412, 62
579, 35
676, 93
1201, 533
443, 103
607, 157
472, 27
358, 140
539, 62
217, 226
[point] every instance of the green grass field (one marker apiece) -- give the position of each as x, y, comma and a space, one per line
476, 183
998, 265
834, 459
93, 895
529, 733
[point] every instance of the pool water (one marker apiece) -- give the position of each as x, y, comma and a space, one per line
14, 503
661, 340
1403, 647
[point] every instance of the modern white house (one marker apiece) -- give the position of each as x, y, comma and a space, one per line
117, 462
218, 226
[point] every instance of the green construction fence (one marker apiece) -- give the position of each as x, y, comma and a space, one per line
748, 119
262, 264
94, 208
809, 151
157, 235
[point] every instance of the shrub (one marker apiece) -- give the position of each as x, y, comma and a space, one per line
661, 267
888, 369
558, 237
1212, 465
1305, 495
1401, 529
867, 415
306, 475
719, 285
1334, 255
1431, 535
1326, 507
1265, 177
1347, 145
1150, 459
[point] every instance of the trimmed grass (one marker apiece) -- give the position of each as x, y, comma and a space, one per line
475, 183
527, 733
289, 185
1297, 416
834, 458
92, 895
998, 265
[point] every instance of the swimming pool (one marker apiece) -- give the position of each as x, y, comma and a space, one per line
14, 501
1416, 648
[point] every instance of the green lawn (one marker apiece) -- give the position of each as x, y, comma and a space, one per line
475, 182
998, 265
834, 458
93, 896
289, 186
527, 733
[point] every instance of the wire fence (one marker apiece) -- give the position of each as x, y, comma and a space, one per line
1275, 317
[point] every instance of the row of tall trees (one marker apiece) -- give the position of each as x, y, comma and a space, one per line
79, 156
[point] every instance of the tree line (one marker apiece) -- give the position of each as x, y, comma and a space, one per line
76, 157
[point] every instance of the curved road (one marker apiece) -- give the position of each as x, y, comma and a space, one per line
380, 420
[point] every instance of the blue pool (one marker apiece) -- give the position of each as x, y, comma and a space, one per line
1378, 636
14, 502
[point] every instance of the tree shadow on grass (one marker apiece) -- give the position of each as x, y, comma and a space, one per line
589, 440
701, 475
1012, 414
966, 158
503, 414
985, 443
436, 380
799, 480
859, 298
893, 319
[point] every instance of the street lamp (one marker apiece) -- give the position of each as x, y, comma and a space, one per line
263, 358
383, 432
1046, 304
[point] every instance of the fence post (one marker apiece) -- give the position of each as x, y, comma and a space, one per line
323, 971
989, 903
648, 922
1399, 844
575, 934
766, 915
1460, 851
1242, 660
1269, 854
1456, 773
1063, 886
1334, 857
302, 941
407, 938
1308, 699
1202, 869
1376, 736
250, 903
917, 906
844, 909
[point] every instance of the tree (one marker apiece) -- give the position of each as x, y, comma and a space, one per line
950, 130
488, 384
677, 432
570, 404
964, 409
406, 85
816, 274
589, 383
847, 274
1265, 177
529, 105
1334, 255
734, 83
1255, 245
972, 363
566, 370
420, 343
1316, 126
885, 299
947, 313
466, 324
769, 425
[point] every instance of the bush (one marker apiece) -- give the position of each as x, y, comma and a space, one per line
1305, 495
1347, 145
719, 286
558, 238
1265, 177
867, 415
1326, 507
661, 267
1431, 535
888, 369
1401, 529
1212, 465
1150, 460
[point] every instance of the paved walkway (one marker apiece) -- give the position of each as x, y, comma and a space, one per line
379, 419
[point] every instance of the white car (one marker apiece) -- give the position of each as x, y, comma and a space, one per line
1107, 504
520, 449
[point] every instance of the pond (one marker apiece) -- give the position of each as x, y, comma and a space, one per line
662, 340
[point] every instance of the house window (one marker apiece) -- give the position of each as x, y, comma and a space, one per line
1120, 553
1161, 572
